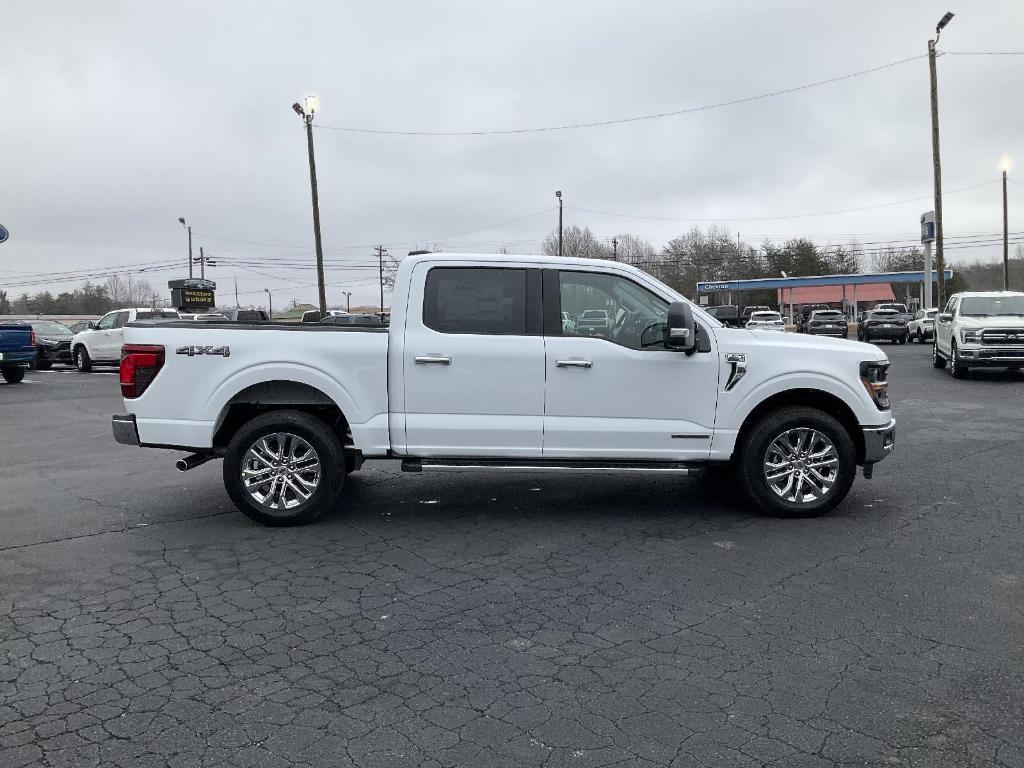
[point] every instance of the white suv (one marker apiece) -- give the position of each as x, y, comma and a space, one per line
922, 327
980, 329
100, 344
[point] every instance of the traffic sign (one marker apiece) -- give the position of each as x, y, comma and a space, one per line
928, 227
4, 234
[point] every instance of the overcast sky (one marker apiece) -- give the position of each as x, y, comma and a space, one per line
117, 118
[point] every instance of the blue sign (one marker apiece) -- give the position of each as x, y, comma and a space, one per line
4, 234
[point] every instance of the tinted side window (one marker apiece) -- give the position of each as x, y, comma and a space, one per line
481, 300
120, 319
612, 308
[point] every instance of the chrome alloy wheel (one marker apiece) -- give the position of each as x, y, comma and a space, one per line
801, 465
280, 471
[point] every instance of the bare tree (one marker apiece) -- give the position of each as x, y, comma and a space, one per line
577, 242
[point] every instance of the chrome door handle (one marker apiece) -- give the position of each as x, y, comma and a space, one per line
574, 364
433, 360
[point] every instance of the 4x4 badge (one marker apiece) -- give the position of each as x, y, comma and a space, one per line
193, 351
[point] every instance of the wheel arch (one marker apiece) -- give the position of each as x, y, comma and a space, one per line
811, 398
280, 394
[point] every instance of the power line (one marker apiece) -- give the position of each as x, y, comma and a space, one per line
779, 218
620, 121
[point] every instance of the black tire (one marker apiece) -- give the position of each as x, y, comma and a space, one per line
938, 361
956, 367
82, 360
920, 337
903, 339
13, 375
317, 435
754, 450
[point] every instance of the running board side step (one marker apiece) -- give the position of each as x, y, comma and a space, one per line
547, 465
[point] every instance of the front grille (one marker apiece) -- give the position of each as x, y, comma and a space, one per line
1004, 354
1003, 336
64, 346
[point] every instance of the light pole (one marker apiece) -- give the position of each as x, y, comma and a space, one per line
940, 261
270, 304
188, 227
348, 300
1004, 166
558, 194
310, 106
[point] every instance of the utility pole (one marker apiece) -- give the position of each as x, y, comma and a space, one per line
237, 305
188, 227
348, 300
940, 260
202, 263
558, 194
270, 304
615, 249
381, 250
312, 104
1004, 164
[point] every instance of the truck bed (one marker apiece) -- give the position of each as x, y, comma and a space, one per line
207, 367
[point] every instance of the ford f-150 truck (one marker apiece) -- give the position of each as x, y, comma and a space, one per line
980, 329
17, 350
478, 369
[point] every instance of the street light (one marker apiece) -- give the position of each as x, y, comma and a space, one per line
348, 300
1005, 163
558, 194
188, 227
940, 260
270, 304
312, 106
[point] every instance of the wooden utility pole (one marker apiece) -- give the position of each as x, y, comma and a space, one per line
940, 260
308, 119
381, 250
1006, 240
615, 249
202, 263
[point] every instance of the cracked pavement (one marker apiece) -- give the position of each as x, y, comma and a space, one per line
510, 619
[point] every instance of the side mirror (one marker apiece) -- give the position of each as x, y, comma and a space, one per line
945, 317
680, 328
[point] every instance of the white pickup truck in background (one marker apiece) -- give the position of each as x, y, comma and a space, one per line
478, 368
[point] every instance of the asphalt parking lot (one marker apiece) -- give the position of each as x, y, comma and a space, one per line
511, 619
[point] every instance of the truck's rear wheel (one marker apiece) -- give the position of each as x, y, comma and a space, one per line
797, 462
284, 468
13, 375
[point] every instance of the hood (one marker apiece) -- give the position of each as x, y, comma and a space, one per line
999, 321
738, 338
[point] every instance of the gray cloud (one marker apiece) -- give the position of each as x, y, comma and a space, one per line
120, 117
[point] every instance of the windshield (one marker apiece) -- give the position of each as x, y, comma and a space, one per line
51, 328
992, 306
594, 314
931, 313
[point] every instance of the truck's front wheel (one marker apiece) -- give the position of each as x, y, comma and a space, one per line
797, 462
284, 468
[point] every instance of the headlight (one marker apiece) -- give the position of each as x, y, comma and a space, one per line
970, 336
875, 377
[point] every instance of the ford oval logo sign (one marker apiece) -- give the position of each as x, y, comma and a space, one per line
4, 234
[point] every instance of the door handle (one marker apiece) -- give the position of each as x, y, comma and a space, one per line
574, 364
433, 360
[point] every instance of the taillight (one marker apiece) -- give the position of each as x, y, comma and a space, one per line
140, 363
33, 336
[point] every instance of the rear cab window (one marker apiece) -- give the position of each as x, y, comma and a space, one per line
490, 301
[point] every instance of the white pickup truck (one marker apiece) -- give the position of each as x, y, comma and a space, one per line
478, 369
